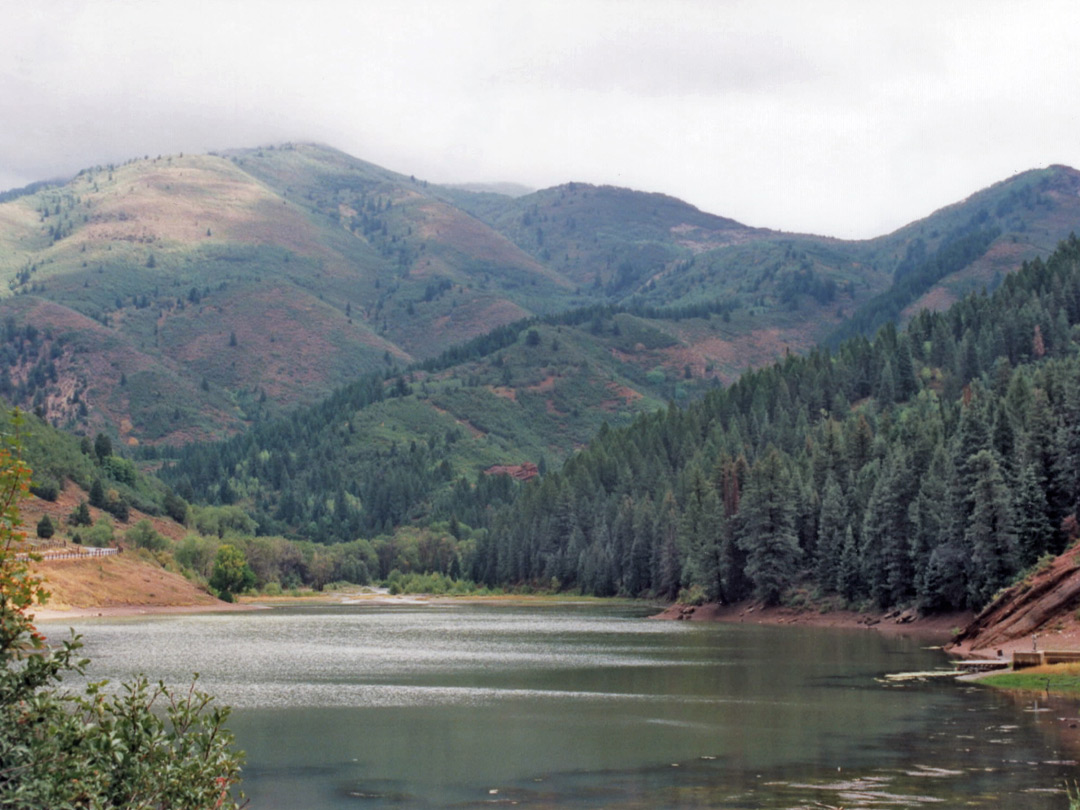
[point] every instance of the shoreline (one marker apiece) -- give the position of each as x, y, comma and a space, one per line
365, 597
55, 615
942, 627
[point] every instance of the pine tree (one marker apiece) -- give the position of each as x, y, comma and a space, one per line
669, 567
768, 535
97, 494
1033, 529
639, 572
990, 530
928, 516
848, 574
706, 560
831, 524
886, 533
45, 528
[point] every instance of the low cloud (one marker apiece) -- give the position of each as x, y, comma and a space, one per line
839, 118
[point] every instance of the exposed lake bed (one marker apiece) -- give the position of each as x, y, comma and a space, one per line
555, 705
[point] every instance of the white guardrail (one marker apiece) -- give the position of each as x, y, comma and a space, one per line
82, 554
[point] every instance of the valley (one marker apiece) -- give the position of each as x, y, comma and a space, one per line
290, 345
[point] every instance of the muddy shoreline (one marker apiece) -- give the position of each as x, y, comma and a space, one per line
941, 627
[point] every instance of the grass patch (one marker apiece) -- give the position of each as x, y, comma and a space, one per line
1060, 679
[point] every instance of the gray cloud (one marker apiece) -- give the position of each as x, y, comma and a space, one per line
848, 118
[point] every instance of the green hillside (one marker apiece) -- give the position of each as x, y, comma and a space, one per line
112, 481
186, 298
382, 351
183, 296
927, 467
390, 449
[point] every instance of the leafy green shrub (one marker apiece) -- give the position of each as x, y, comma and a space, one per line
80, 515
119, 469
231, 574
694, 595
144, 535
46, 489
175, 507
100, 534
196, 554
222, 521
118, 508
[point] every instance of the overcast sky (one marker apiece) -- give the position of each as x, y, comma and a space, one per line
841, 118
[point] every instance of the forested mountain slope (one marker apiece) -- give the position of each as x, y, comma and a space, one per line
178, 298
182, 298
970, 245
927, 466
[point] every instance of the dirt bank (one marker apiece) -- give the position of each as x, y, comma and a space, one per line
1039, 612
123, 584
942, 626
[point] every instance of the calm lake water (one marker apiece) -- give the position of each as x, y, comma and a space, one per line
588, 707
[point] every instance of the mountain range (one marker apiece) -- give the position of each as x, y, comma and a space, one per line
185, 298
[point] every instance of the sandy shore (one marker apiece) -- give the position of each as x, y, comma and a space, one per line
367, 596
117, 611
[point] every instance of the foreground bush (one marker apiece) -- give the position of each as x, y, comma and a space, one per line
142, 746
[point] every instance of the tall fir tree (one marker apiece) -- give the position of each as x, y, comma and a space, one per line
767, 527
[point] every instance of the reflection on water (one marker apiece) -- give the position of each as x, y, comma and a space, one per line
560, 706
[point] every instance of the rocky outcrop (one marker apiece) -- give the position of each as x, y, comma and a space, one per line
1028, 607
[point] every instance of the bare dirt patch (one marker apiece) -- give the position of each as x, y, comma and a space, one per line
520, 472
730, 356
123, 580
936, 299
546, 384
503, 392
179, 203
699, 240
623, 397
441, 223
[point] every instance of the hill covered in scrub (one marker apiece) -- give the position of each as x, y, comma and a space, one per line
186, 297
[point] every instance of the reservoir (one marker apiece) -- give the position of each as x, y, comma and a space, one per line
589, 706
